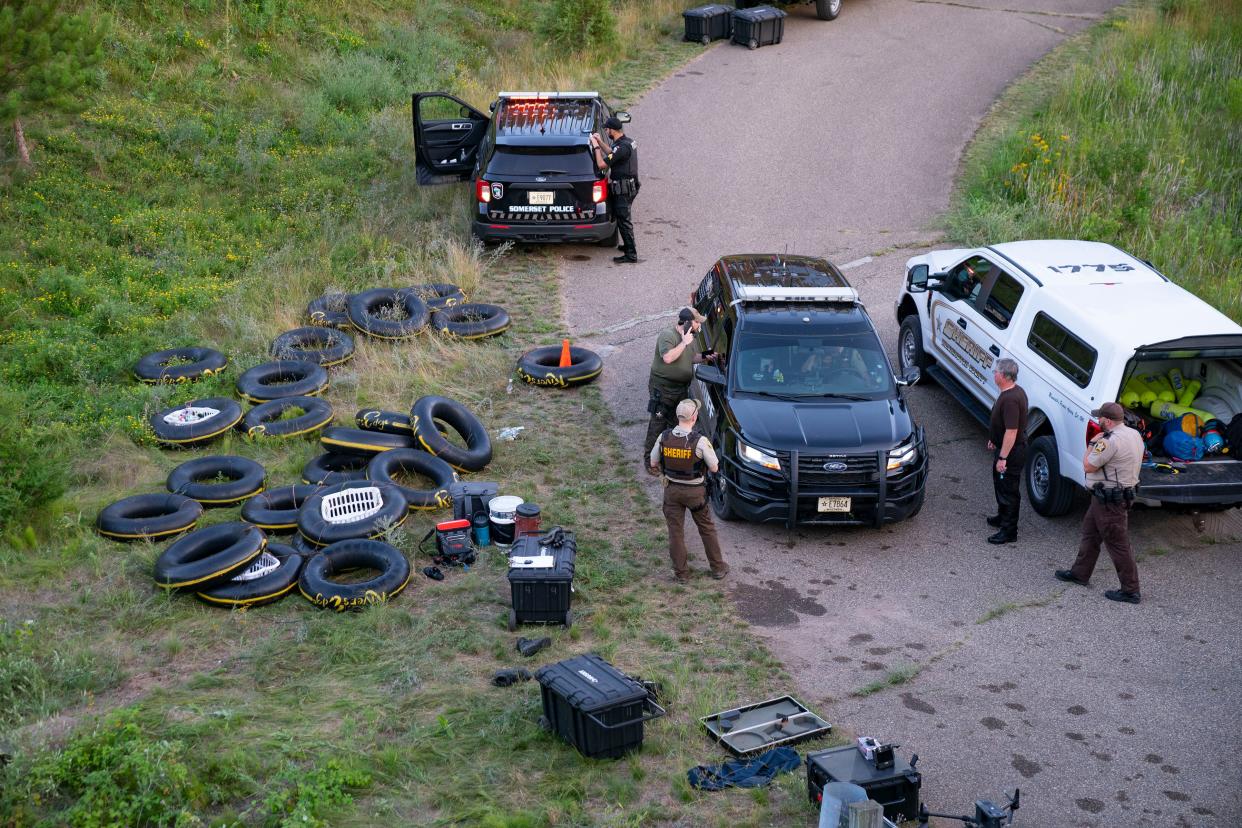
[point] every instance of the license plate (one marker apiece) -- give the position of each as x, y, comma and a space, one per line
834, 504
539, 197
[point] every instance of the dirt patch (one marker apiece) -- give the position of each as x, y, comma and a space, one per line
773, 604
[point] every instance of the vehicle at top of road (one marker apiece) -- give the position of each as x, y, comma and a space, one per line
810, 424
824, 9
1086, 322
534, 176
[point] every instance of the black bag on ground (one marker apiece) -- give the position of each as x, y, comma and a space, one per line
471, 497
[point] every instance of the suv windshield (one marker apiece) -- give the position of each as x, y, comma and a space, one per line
511, 160
804, 365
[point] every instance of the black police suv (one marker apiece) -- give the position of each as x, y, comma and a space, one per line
810, 423
535, 178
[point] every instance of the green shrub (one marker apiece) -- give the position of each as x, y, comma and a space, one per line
30, 473
578, 25
313, 794
115, 776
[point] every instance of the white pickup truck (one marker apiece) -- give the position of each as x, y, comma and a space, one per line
1086, 323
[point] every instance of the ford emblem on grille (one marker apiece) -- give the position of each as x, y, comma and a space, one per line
835, 467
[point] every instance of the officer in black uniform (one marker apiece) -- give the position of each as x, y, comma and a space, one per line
622, 162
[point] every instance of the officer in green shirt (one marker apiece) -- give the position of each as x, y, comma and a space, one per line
672, 368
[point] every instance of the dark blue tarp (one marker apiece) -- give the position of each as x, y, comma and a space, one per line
754, 772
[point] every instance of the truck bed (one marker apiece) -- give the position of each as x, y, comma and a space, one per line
1204, 482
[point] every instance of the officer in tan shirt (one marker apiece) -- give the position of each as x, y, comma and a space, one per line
1112, 466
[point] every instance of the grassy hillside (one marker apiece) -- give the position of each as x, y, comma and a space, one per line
1131, 135
241, 157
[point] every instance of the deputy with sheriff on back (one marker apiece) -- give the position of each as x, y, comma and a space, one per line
1112, 466
684, 457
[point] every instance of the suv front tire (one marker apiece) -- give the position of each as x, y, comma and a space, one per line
910, 353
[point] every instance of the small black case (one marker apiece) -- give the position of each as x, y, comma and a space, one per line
707, 23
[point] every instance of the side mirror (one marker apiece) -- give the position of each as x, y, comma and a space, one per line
623, 117
709, 374
491, 107
916, 279
910, 377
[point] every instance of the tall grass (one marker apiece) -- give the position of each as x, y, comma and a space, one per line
1133, 136
241, 157
245, 156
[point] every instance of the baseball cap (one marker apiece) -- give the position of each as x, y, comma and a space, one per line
1111, 410
686, 314
687, 409
613, 122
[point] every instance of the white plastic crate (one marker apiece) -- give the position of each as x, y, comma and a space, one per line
351, 505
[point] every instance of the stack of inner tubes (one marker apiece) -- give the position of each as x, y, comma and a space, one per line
196, 422
541, 367
208, 557
222, 480
245, 591
471, 320
386, 313
317, 586
331, 468
283, 378
265, 419
320, 345
149, 517
389, 422
344, 440
180, 365
413, 461
428, 413
275, 511
317, 527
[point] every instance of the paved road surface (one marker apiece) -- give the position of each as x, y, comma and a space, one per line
843, 142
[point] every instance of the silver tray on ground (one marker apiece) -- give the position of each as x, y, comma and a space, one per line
757, 727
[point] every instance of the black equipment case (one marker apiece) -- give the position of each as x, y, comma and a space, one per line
758, 26
895, 788
708, 23
541, 575
595, 707
470, 498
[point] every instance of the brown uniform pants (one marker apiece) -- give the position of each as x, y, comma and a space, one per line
1110, 523
678, 497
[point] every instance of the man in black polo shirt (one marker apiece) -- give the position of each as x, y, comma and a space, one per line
1007, 441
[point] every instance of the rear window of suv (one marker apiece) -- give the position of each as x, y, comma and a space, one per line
511, 160
1060, 348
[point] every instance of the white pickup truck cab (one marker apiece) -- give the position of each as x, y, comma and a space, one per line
1081, 319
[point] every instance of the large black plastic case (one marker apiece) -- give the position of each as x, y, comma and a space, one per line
541, 594
595, 707
895, 788
707, 23
758, 26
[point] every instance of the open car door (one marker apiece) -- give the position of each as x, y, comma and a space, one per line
447, 135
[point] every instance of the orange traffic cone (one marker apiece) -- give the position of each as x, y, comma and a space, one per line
566, 359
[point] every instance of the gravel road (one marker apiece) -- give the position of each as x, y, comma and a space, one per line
843, 142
